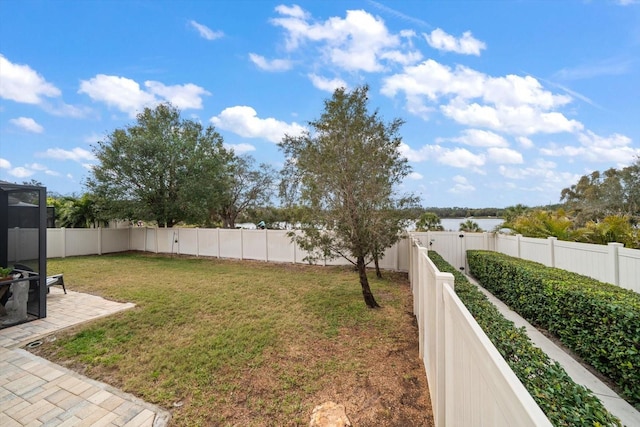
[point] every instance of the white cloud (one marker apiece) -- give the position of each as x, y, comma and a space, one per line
424, 153
20, 83
504, 155
460, 158
127, 96
356, 43
240, 148
294, 11
480, 138
21, 172
273, 65
244, 121
28, 124
521, 120
37, 166
61, 109
457, 157
511, 104
4, 163
462, 185
467, 44
187, 96
415, 176
76, 154
328, 85
120, 92
595, 148
546, 178
206, 32
525, 142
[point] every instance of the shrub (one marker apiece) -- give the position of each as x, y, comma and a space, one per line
563, 401
599, 321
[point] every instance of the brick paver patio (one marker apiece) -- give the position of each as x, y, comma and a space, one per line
36, 392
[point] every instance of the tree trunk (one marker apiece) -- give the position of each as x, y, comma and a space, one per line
364, 283
378, 272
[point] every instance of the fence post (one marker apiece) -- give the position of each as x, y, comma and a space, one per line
613, 266
442, 280
552, 250
266, 244
197, 241
218, 232
518, 237
99, 231
241, 244
64, 242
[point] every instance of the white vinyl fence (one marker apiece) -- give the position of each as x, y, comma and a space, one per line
612, 263
469, 381
261, 245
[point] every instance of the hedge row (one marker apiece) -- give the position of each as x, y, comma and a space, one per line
599, 321
564, 402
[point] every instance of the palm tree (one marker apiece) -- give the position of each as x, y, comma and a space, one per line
470, 226
429, 221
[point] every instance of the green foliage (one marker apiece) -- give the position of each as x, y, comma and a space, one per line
429, 221
601, 194
345, 175
599, 321
162, 169
613, 228
78, 212
542, 223
247, 187
470, 226
563, 401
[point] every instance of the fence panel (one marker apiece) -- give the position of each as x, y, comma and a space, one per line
151, 239
629, 268
137, 239
583, 258
537, 250
81, 241
208, 242
230, 243
469, 382
114, 240
187, 241
279, 246
479, 383
507, 244
254, 244
55, 243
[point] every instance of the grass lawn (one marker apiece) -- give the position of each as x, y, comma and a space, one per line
221, 342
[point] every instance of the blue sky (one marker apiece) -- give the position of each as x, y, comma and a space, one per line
505, 102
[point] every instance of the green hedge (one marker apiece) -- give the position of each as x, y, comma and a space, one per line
599, 321
563, 401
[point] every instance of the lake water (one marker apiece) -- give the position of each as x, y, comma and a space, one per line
487, 224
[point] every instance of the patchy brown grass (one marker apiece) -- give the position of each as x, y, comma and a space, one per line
240, 343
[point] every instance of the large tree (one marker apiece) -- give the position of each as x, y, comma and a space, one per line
601, 194
162, 168
247, 187
343, 174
